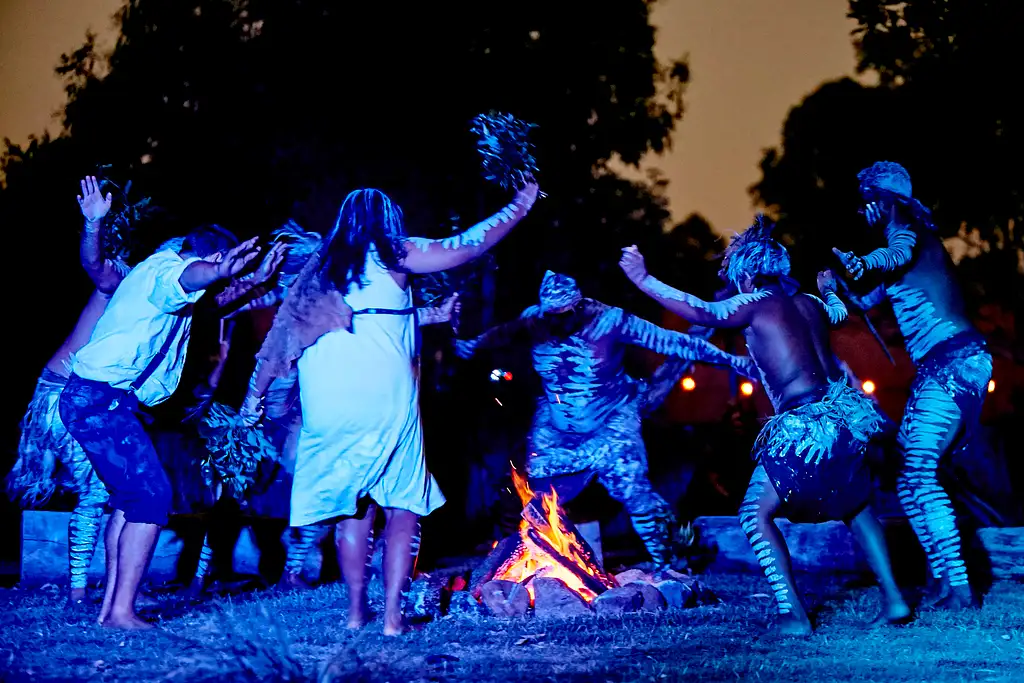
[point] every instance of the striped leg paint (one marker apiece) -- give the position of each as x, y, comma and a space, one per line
931, 422
754, 520
300, 541
84, 527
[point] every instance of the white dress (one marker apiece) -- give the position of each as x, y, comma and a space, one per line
361, 434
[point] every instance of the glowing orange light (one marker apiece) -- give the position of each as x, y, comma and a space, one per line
747, 389
868, 386
688, 384
991, 385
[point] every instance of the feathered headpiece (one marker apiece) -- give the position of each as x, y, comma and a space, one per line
302, 244
557, 292
118, 225
888, 180
754, 252
504, 143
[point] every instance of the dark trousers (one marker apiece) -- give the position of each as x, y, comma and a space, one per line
104, 422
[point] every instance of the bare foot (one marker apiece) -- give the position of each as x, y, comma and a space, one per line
895, 614
297, 582
357, 616
127, 622
77, 598
959, 597
394, 625
793, 624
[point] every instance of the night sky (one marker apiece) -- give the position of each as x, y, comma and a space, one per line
751, 62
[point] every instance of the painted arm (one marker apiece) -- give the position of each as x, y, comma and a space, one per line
736, 311
642, 333
256, 285
834, 307
864, 302
431, 256
900, 240
660, 384
501, 335
104, 273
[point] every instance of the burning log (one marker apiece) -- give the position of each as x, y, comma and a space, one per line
595, 584
508, 551
535, 516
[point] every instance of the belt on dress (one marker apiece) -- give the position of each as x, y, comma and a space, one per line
385, 311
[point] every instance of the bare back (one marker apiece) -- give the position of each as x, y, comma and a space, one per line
789, 342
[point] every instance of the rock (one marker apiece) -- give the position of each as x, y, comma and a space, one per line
653, 600
505, 598
553, 599
622, 600
671, 575
463, 604
632, 576
424, 597
677, 594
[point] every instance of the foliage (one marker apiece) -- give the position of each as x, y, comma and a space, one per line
234, 451
119, 242
504, 143
944, 108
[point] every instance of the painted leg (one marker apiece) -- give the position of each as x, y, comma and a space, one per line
301, 541
110, 545
84, 527
202, 569
757, 518
871, 538
83, 535
401, 548
353, 536
135, 547
931, 424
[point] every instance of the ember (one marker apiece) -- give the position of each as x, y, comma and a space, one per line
549, 547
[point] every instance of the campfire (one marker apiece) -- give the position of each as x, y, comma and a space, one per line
548, 569
548, 546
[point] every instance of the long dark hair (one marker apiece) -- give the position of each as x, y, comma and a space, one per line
368, 219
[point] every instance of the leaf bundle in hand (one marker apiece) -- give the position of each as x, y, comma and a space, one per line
504, 143
233, 450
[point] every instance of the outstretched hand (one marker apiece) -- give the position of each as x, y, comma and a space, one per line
93, 204
826, 281
632, 264
235, 261
251, 411
271, 262
854, 264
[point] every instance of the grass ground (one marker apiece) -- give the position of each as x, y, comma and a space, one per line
279, 636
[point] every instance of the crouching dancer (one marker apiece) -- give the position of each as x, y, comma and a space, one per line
135, 355
811, 464
587, 424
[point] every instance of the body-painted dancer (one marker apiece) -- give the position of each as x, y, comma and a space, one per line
135, 356
587, 424
952, 361
361, 443
811, 464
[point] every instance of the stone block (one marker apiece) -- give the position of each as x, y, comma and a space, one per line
653, 601
552, 599
505, 598
617, 601
677, 594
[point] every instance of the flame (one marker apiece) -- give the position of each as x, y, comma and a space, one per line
534, 562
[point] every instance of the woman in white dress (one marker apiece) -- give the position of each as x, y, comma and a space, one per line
361, 443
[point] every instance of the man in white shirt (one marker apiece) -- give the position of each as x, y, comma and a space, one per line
135, 355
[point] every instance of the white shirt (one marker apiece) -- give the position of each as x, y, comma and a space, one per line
148, 306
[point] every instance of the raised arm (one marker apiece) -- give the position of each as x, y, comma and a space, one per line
199, 275
733, 312
255, 286
642, 333
104, 273
431, 256
900, 239
864, 302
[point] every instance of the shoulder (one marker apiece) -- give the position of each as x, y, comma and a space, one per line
530, 313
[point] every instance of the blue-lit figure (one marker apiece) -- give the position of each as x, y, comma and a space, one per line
587, 423
811, 454
953, 363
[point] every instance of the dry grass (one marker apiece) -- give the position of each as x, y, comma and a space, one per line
275, 636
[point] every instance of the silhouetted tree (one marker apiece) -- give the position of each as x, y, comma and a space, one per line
944, 108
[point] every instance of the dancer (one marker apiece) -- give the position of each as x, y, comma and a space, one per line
952, 361
135, 355
361, 443
810, 456
587, 424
